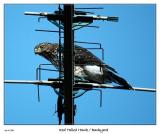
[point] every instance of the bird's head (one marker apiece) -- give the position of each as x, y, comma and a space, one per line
45, 47
47, 50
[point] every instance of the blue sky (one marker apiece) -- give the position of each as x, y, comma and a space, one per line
129, 47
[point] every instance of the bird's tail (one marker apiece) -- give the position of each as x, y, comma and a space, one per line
119, 80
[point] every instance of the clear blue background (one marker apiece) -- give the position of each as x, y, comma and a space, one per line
129, 47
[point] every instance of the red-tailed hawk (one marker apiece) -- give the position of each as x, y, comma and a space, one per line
87, 65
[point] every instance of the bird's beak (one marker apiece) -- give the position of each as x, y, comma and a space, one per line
37, 50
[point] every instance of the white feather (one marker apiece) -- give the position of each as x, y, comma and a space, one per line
93, 69
94, 73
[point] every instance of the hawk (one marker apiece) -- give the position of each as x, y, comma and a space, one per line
87, 65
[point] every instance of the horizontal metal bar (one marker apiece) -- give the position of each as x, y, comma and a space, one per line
38, 30
48, 69
93, 26
28, 82
37, 13
92, 48
89, 8
86, 26
83, 42
46, 64
82, 85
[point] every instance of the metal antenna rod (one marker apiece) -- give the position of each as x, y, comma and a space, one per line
68, 64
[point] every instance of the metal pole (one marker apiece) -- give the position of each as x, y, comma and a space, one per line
68, 64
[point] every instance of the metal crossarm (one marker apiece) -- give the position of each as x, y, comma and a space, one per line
82, 85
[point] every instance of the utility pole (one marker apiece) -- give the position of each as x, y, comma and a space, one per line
68, 64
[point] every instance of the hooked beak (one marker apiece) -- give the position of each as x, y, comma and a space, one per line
37, 50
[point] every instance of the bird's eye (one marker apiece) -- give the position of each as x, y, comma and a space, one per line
42, 46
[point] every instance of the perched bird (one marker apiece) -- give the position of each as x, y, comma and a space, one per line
87, 65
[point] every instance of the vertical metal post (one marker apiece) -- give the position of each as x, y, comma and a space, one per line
68, 64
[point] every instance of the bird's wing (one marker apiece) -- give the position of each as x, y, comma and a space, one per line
83, 56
